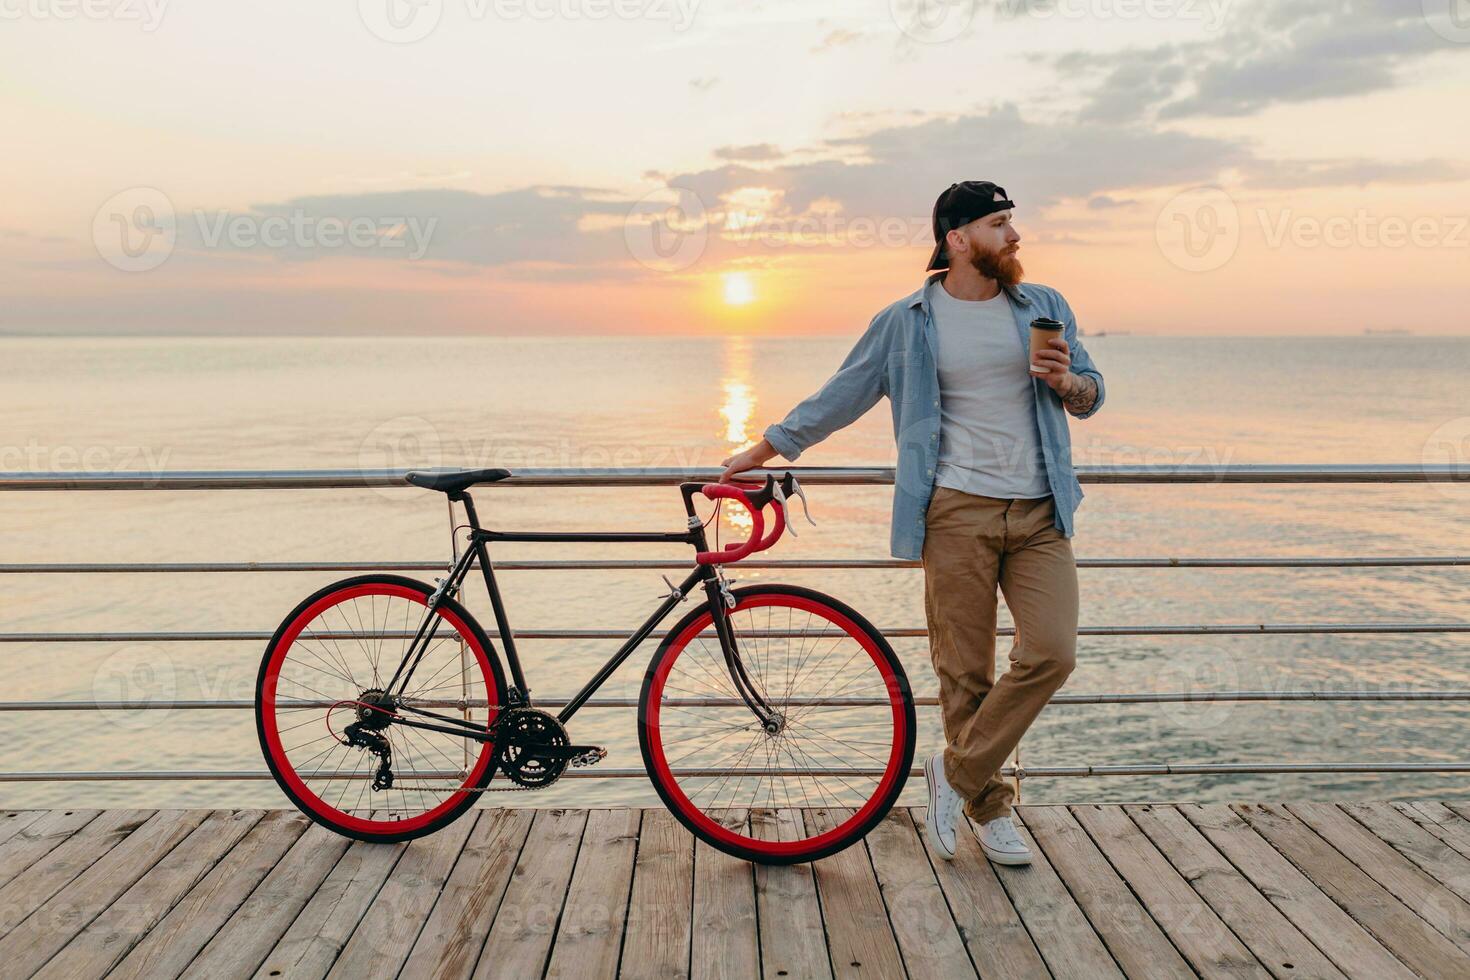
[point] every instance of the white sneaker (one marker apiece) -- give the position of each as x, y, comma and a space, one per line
944, 808
1001, 843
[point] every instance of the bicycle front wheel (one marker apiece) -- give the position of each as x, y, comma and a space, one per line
845, 740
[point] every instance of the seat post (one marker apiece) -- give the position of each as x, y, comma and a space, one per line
469, 507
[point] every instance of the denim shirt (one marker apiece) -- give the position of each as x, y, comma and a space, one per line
895, 356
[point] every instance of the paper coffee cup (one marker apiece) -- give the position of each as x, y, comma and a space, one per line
1043, 329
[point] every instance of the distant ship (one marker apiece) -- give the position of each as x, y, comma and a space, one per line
1385, 330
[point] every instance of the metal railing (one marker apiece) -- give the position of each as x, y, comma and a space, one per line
853, 476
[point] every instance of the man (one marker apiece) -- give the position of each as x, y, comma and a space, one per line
984, 492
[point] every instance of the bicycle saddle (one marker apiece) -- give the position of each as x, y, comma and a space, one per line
454, 481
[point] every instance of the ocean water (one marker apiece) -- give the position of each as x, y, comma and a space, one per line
177, 404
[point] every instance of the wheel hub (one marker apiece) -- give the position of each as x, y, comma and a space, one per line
375, 709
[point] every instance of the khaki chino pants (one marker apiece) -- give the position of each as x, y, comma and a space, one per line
972, 544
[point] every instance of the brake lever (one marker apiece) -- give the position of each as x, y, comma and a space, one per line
781, 499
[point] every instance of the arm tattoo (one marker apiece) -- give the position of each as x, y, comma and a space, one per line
1082, 396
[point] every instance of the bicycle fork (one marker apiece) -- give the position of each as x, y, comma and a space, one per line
721, 602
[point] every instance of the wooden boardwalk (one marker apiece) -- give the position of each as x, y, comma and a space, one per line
1149, 890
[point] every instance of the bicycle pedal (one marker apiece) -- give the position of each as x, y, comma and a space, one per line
591, 757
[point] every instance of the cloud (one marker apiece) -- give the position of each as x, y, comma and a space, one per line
883, 178
704, 83
1267, 54
1039, 163
754, 152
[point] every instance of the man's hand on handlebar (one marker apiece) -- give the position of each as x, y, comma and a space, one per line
747, 459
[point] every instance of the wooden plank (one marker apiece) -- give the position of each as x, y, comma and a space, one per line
1408, 936
1433, 856
1278, 944
927, 935
313, 942
1130, 932
520, 940
656, 942
38, 838
1433, 902
390, 926
169, 947
62, 861
1061, 931
40, 937
254, 929
1205, 941
13, 822
859, 937
1338, 935
590, 934
724, 940
994, 934
114, 933
450, 941
1440, 821
792, 939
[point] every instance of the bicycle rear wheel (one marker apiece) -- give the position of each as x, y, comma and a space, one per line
846, 738
330, 659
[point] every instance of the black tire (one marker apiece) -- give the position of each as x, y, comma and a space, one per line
472, 630
900, 707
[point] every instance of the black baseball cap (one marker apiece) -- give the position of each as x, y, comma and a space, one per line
961, 204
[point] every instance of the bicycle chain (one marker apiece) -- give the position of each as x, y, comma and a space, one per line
579, 762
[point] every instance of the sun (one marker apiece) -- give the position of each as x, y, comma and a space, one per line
739, 290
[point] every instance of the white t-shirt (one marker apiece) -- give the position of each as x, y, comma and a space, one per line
988, 440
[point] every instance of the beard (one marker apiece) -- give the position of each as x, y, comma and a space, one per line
1003, 268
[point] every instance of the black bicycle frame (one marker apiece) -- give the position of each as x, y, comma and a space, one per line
518, 693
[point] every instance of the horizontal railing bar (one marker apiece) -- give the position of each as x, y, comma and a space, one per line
1224, 629
88, 568
666, 476
1162, 697
1027, 772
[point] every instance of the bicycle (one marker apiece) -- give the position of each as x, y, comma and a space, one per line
734, 732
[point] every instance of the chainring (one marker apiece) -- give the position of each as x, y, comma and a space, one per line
518, 734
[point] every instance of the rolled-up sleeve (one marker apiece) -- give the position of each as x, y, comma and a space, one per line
860, 381
1082, 362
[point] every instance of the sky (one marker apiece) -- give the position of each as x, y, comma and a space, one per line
529, 167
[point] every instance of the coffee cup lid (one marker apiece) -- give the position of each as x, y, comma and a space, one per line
1046, 323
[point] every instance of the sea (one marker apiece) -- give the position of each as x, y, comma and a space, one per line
152, 404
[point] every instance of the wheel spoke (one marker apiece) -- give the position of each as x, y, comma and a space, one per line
841, 757
335, 782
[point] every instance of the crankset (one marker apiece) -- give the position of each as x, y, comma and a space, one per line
534, 750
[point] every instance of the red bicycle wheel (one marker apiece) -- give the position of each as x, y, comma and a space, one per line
328, 662
843, 748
